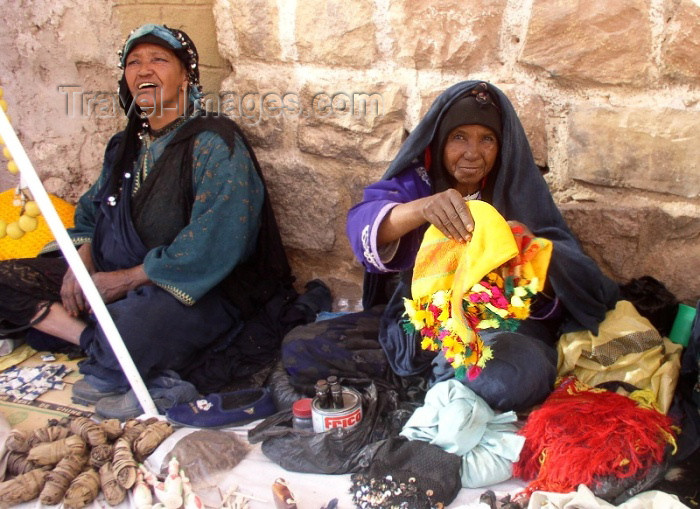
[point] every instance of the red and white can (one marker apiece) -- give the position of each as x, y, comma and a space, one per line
347, 417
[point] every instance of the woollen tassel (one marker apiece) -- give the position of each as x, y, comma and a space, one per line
579, 436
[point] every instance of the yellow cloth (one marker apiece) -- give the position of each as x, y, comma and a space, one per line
628, 349
30, 244
445, 264
18, 355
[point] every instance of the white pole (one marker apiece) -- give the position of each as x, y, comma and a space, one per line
76, 264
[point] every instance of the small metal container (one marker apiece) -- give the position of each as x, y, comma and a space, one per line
347, 417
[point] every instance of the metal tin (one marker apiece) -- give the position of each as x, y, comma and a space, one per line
347, 417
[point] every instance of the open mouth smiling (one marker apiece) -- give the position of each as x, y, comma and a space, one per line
146, 85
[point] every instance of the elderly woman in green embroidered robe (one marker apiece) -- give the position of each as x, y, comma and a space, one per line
176, 224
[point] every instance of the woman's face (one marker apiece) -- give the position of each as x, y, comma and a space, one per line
469, 155
156, 78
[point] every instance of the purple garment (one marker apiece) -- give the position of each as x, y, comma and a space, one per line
365, 217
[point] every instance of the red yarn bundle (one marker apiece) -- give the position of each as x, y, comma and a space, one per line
580, 435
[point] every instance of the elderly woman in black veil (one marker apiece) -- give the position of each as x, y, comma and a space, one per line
470, 146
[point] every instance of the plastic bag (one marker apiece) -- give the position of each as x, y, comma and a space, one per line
205, 455
337, 451
283, 393
627, 349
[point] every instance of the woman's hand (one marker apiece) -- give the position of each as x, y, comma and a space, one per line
72, 295
110, 285
448, 212
115, 285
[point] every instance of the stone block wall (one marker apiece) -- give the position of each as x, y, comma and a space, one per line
608, 93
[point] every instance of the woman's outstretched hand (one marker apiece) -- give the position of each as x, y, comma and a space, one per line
449, 213
446, 210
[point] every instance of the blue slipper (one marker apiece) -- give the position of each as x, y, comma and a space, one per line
165, 390
220, 410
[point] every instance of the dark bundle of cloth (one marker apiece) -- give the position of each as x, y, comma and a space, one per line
653, 301
410, 472
237, 358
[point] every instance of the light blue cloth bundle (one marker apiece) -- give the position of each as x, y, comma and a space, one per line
455, 419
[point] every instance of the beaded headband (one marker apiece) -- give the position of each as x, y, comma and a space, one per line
173, 39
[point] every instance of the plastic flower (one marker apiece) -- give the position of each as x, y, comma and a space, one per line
441, 298
429, 345
496, 302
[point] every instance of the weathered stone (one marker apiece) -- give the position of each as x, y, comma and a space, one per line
339, 271
49, 45
530, 108
337, 33
306, 202
654, 150
446, 34
252, 27
592, 41
631, 242
358, 106
681, 45
363, 123
211, 78
332, 142
262, 105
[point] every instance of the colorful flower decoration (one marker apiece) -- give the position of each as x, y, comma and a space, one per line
460, 289
496, 302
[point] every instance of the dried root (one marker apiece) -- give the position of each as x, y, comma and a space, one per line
83, 490
18, 441
112, 429
113, 491
151, 438
60, 478
123, 463
101, 454
63, 421
50, 453
133, 428
17, 463
88, 430
49, 434
23, 488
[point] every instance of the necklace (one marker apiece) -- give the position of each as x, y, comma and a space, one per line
473, 196
157, 133
142, 173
